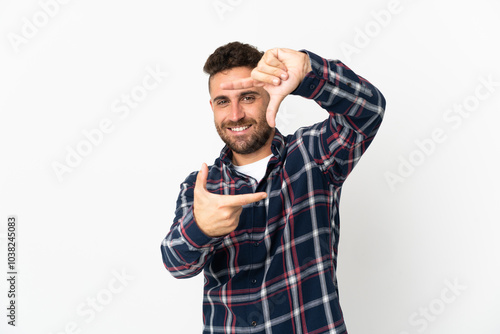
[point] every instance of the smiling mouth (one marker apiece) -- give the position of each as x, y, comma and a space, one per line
240, 128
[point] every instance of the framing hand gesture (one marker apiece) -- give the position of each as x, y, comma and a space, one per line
279, 72
218, 215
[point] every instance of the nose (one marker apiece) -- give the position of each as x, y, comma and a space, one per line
237, 112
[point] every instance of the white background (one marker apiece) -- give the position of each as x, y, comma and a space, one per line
403, 243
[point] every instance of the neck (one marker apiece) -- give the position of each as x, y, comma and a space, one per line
245, 159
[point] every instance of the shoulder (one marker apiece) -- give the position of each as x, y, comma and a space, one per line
308, 133
214, 172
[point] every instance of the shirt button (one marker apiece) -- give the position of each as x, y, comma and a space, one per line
254, 323
256, 244
254, 281
312, 86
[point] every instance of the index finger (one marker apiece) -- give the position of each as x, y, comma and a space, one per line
239, 84
241, 200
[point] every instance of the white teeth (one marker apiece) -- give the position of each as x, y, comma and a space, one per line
241, 128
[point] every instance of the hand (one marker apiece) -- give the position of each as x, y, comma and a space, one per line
218, 215
279, 72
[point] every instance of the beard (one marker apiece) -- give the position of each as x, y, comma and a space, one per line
249, 143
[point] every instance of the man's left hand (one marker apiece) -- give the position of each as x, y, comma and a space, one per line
280, 71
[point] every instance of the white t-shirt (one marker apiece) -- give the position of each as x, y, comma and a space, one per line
257, 169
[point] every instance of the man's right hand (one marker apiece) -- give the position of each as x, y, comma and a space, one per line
218, 215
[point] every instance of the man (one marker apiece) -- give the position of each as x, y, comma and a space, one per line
262, 222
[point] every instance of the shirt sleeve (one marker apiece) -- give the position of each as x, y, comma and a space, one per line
355, 108
186, 249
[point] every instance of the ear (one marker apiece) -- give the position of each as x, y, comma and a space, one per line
211, 104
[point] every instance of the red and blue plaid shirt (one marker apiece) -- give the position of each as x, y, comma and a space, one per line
276, 273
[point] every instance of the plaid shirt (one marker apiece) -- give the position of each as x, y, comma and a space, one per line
276, 273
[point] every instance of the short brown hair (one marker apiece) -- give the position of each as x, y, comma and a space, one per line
234, 54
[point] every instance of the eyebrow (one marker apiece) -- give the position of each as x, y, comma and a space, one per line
248, 92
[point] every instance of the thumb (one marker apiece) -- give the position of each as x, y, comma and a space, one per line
272, 110
201, 178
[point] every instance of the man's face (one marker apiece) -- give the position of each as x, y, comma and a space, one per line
240, 115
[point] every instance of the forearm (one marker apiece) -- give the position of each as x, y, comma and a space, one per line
186, 249
353, 100
355, 108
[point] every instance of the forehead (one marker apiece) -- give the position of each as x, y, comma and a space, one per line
227, 76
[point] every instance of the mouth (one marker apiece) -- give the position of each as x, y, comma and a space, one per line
239, 128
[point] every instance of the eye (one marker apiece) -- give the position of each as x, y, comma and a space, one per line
248, 98
221, 102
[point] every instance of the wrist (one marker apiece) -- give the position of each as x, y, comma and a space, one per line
307, 64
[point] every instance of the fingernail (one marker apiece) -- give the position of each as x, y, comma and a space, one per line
276, 81
284, 76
